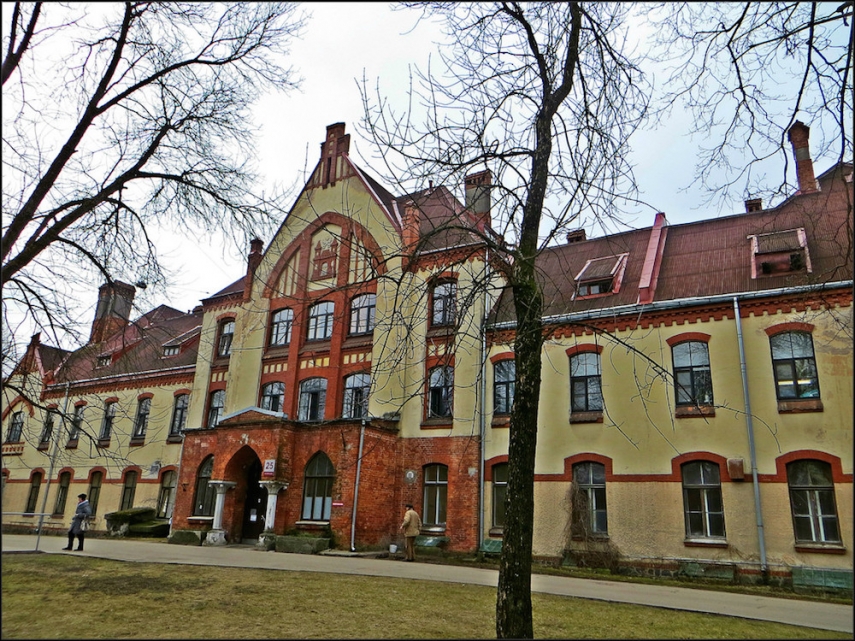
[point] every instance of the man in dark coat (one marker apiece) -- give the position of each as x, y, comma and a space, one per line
81, 517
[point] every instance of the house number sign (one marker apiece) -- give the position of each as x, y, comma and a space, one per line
269, 467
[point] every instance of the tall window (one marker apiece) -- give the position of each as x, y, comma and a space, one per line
702, 502
444, 304
76, 425
586, 393
280, 327
356, 388
129, 488
313, 398
321, 321
205, 494
16, 427
179, 414
47, 429
692, 373
317, 488
589, 516
812, 502
215, 407
33, 496
500, 492
166, 498
436, 495
440, 391
141, 419
362, 314
224, 343
94, 492
504, 377
794, 365
107, 423
62, 493
273, 396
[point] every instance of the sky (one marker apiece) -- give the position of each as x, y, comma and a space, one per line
342, 43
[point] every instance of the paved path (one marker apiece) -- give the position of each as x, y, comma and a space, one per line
824, 616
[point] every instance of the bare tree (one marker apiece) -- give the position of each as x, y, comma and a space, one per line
121, 120
546, 96
747, 71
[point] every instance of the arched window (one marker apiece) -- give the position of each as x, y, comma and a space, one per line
321, 321
435, 495
317, 488
588, 504
356, 388
33, 496
179, 414
692, 378
215, 407
94, 492
702, 502
500, 493
794, 365
107, 423
504, 382
362, 314
280, 327
440, 391
129, 489
586, 393
444, 303
313, 397
16, 427
273, 396
812, 502
205, 494
166, 498
62, 493
226, 334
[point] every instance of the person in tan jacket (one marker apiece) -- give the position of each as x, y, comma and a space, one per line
410, 527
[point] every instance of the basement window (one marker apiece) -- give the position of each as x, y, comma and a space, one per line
601, 276
781, 252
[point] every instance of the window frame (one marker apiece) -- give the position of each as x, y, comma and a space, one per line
281, 326
362, 316
507, 383
204, 494
267, 398
582, 360
107, 421
435, 496
692, 397
166, 494
94, 490
356, 396
813, 494
16, 427
440, 384
589, 501
48, 427
791, 361
180, 405
129, 490
443, 303
76, 425
225, 338
321, 321
312, 400
499, 492
215, 411
63, 484
33, 494
707, 492
318, 480
141, 418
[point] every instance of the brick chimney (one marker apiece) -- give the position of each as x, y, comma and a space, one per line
336, 143
115, 301
576, 236
478, 196
753, 204
252, 262
410, 231
798, 136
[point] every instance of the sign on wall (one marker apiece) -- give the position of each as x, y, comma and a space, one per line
269, 467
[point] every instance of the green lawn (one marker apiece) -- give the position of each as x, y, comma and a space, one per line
49, 596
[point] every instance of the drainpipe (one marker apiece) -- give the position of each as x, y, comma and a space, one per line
764, 568
482, 421
53, 456
356, 488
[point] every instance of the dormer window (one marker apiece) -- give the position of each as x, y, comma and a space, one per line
170, 350
779, 252
601, 276
103, 361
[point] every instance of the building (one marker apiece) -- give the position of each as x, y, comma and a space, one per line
696, 409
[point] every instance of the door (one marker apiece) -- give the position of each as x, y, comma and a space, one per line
255, 504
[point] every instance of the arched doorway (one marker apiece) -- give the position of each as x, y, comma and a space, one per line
255, 504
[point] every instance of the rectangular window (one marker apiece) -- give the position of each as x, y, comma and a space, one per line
444, 304
362, 314
179, 414
280, 327
107, 423
435, 495
321, 321
47, 429
692, 377
500, 493
586, 394
33, 495
129, 488
76, 426
215, 407
589, 516
440, 392
504, 382
812, 501
224, 344
794, 365
356, 388
313, 395
62, 493
704, 510
141, 420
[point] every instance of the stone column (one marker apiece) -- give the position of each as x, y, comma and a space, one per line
217, 536
267, 539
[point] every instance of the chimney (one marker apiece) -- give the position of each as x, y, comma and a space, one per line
113, 311
753, 204
252, 262
478, 196
798, 136
576, 236
335, 144
410, 231
652, 260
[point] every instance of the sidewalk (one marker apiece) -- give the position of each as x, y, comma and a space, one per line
823, 616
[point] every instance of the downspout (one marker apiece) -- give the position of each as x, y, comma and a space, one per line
356, 488
482, 423
53, 456
764, 568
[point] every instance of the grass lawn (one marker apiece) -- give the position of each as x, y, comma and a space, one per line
51, 596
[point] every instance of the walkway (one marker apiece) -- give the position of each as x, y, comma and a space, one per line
823, 616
